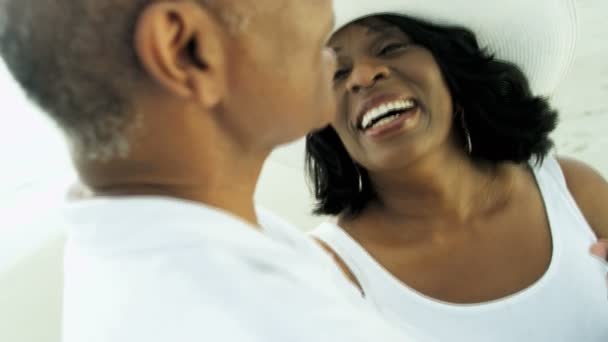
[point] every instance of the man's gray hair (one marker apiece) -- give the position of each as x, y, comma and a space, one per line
75, 59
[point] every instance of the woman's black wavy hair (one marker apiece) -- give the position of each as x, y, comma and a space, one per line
506, 121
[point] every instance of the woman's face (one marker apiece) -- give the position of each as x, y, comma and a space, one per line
394, 106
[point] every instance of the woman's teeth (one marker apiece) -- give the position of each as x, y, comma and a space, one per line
385, 113
385, 121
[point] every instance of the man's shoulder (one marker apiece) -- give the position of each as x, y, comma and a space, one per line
127, 227
233, 281
216, 294
152, 315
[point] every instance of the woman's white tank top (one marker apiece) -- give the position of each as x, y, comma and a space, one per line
568, 303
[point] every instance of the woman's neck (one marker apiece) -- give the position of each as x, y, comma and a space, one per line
449, 186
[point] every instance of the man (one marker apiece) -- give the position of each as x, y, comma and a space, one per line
170, 108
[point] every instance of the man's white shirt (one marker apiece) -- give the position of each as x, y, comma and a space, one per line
161, 269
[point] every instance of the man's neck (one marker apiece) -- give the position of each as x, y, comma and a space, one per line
230, 188
212, 171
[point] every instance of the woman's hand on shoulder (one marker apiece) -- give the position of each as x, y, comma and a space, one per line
590, 191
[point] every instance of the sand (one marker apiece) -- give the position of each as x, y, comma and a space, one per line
582, 98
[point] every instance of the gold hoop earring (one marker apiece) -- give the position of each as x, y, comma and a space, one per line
467, 133
359, 177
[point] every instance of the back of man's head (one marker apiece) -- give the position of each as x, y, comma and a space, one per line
76, 60
204, 78
76, 63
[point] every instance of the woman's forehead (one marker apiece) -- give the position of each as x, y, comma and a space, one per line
369, 26
376, 24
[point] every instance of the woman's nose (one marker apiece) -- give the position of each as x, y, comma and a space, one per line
365, 75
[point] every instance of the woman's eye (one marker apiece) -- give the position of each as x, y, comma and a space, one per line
388, 49
340, 74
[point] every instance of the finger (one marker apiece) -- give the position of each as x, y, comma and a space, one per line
600, 249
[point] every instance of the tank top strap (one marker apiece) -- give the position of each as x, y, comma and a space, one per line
359, 262
549, 167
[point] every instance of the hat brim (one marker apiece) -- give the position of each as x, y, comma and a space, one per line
538, 36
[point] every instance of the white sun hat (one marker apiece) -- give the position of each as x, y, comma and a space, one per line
539, 36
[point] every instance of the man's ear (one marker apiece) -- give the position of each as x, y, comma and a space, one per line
181, 45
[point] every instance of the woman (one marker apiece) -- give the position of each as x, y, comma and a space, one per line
452, 215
